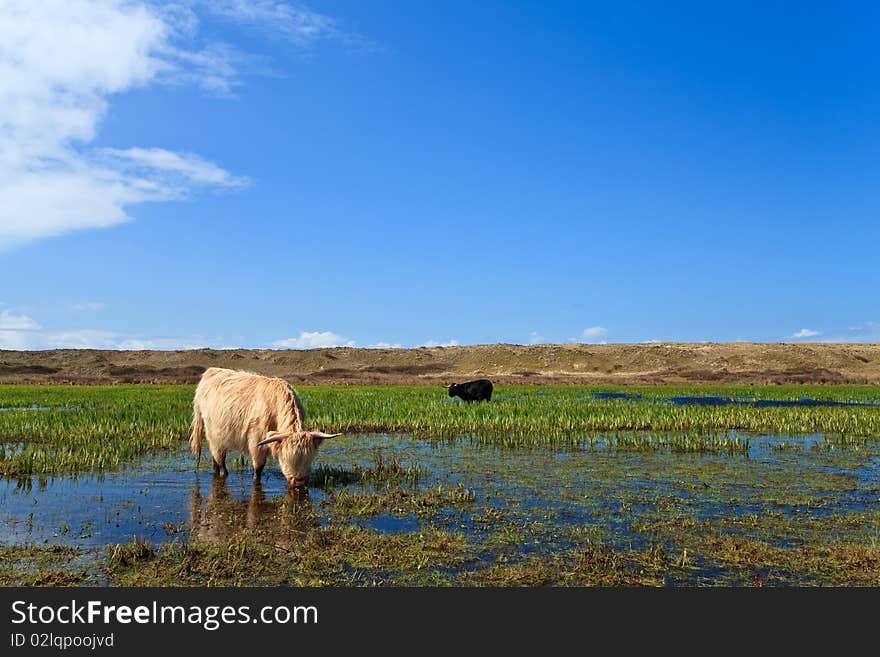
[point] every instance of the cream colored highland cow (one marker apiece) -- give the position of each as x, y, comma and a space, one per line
254, 414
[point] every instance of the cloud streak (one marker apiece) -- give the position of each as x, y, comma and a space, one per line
20, 332
536, 338
434, 343
293, 22
9, 321
869, 332
87, 306
188, 167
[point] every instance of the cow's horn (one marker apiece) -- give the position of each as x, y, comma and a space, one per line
325, 436
273, 439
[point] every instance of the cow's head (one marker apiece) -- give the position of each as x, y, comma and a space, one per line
295, 452
453, 389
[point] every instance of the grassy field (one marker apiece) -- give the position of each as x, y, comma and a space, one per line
545, 485
88, 429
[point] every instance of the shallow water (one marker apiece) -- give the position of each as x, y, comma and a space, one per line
714, 400
549, 500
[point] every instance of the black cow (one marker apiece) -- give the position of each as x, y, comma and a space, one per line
480, 390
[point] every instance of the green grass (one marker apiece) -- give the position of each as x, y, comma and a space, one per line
560, 415
322, 556
385, 471
293, 548
92, 429
88, 429
45, 565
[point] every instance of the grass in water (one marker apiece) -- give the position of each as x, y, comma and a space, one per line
92, 429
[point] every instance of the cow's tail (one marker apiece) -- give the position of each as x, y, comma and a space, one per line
195, 439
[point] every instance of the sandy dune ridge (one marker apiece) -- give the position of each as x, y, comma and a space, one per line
738, 362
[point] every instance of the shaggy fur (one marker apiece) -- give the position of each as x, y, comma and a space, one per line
237, 410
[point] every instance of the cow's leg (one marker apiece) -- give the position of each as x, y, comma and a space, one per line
258, 458
219, 462
220, 468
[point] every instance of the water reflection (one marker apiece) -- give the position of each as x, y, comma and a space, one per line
221, 516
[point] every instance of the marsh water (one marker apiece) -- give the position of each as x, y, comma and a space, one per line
521, 501
717, 400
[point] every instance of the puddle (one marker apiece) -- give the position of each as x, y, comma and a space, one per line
614, 395
700, 400
389, 523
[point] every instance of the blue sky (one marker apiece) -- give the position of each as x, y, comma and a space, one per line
267, 173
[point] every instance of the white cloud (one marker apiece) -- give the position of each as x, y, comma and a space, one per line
385, 345
594, 334
20, 332
313, 340
434, 343
38, 339
171, 344
79, 339
535, 338
868, 332
213, 68
88, 306
9, 321
185, 165
301, 24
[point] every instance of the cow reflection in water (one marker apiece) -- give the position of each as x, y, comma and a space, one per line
221, 516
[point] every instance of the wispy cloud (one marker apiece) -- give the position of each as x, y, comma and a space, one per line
9, 321
88, 306
294, 22
434, 343
172, 344
20, 332
175, 167
594, 334
38, 338
313, 340
535, 338
867, 332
